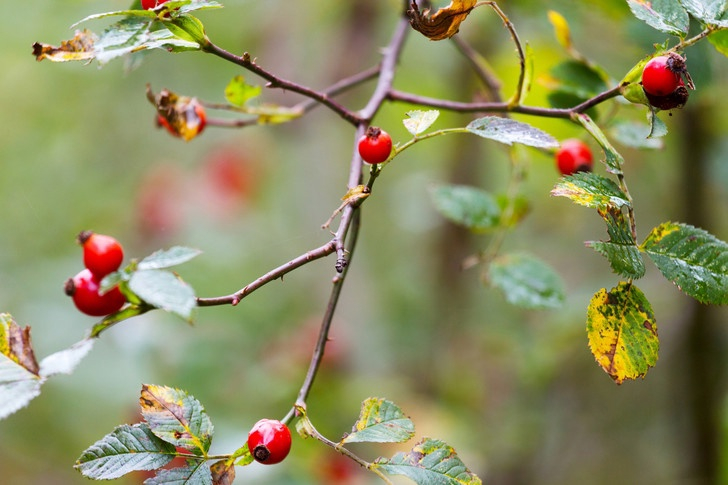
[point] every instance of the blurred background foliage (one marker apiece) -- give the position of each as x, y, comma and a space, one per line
516, 392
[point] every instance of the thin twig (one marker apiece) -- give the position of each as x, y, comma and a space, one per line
274, 81
272, 275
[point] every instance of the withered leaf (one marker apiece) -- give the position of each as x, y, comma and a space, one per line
444, 23
15, 343
80, 48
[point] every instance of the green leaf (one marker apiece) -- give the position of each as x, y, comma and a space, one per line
20, 380
132, 34
719, 40
176, 417
693, 259
189, 28
196, 474
578, 79
167, 258
621, 250
508, 131
126, 449
471, 207
658, 128
65, 361
418, 121
18, 386
238, 92
707, 11
526, 281
591, 190
614, 160
622, 332
664, 15
380, 421
430, 462
635, 135
164, 290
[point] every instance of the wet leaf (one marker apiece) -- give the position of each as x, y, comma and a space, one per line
526, 281
176, 417
380, 421
508, 131
419, 121
195, 474
591, 190
470, 207
707, 11
442, 24
166, 258
430, 462
164, 290
693, 259
621, 250
666, 16
622, 332
126, 449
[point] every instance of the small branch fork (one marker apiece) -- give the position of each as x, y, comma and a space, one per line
344, 238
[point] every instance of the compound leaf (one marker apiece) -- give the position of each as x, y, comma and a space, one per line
430, 462
176, 417
128, 448
508, 131
693, 259
622, 332
380, 421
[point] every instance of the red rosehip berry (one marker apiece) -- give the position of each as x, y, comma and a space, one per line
149, 4
375, 145
185, 119
84, 289
269, 441
659, 77
101, 254
574, 156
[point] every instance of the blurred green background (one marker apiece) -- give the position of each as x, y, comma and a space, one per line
516, 392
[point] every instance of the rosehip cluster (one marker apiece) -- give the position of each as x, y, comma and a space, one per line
574, 156
662, 81
269, 441
102, 255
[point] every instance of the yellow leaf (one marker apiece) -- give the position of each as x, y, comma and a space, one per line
444, 23
622, 332
561, 29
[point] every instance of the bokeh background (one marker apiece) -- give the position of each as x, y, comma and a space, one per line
516, 392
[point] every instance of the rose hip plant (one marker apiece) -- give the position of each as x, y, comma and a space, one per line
621, 325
